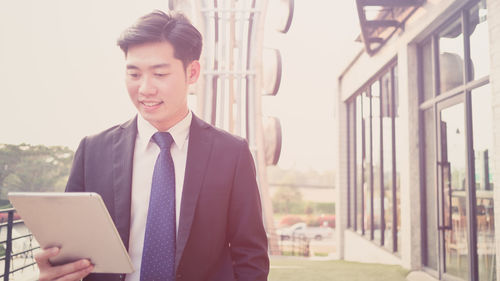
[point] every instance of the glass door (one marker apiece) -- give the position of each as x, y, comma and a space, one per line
452, 189
484, 164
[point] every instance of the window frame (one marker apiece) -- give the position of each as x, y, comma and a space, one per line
464, 90
352, 170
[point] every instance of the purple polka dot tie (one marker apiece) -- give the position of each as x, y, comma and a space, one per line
158, 255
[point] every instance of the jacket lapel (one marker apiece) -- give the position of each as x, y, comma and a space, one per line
200, 146
123, 155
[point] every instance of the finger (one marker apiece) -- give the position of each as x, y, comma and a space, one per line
69, 268
55, 272
42, 258
78, 275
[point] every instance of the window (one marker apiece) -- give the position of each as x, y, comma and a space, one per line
373, 192
367, 167
457, 143
358, 155
451, 57
478, 34
482, 118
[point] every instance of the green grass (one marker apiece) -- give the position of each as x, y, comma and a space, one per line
295, 269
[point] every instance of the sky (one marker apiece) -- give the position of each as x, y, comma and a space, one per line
62, 75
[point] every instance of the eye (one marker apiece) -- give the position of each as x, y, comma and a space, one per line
133, 75
161, 74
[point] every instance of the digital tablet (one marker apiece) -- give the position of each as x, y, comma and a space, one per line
76, 222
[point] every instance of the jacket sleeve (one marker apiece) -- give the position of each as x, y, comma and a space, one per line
246, 233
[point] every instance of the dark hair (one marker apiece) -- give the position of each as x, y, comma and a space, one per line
159, 26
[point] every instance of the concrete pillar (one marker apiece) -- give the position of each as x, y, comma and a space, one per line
411, 252
341, 203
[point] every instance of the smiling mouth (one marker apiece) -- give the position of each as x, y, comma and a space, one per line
151, 104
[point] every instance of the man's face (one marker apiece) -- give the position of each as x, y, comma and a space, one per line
158, 83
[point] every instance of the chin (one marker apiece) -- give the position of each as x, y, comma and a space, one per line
156, 121
149, 117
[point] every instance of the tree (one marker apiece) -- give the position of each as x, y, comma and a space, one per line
300, 178
287, 200
26, 167
9, 159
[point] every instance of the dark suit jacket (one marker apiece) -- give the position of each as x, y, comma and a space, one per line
221, 235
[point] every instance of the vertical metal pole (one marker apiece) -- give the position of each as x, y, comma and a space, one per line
381, 170
349, 160
363, 162
231, 77
242, 69
221, 54
250, 80
9, 245
354, 145
472, 202
371, 187
217, 58
393, 169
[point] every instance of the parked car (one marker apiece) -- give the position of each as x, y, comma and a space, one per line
4, 217
302, 230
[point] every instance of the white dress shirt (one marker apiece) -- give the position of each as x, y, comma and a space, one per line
145, 154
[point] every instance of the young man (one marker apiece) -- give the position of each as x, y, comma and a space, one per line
182, 194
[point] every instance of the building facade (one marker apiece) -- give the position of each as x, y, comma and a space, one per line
419, 141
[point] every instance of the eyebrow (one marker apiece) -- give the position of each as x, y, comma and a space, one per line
161, 65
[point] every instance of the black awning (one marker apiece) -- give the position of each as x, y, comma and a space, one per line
380, 19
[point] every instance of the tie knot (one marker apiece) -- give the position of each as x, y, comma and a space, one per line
163, 139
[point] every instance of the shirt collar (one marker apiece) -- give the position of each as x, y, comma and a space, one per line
179, 132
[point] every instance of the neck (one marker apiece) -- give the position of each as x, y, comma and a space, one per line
166, 125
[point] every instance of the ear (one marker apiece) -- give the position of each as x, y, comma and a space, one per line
193, 71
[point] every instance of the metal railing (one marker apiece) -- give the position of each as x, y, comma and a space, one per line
7, 223
296, 245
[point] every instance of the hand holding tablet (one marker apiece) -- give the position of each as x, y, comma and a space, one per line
76, 223
71, 271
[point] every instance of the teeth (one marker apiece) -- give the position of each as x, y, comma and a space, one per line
150, 103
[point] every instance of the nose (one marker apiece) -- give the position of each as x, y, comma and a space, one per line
147, 87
